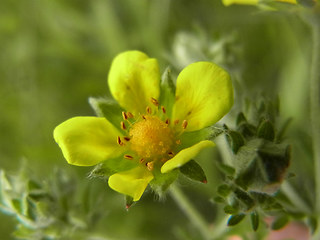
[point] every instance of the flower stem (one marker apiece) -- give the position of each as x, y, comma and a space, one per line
313, 19
188, 209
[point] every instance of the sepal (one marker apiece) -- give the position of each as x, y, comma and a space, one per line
193, 171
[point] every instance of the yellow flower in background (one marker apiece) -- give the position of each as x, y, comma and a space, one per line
155, 133
254, 2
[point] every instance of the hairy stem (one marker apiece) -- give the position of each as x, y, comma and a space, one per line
188, 209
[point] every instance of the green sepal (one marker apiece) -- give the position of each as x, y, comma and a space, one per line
189, 139
111, 166
235, 140
266, 130
254, 216
280, 222
107, 108
129, 201
313, 224
241, 119
162, 181
167, 91
193, 171
235, 219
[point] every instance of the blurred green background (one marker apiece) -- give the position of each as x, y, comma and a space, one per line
56, 54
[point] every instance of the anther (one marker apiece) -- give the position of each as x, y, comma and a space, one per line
124, 116
177, 142
163, 109
123, 126
143, 117
155, 102
130, 115
141, 161
150, 166
171, 154
167, 121
126, 138
148, 110
176, 122
184, 124
119, 141
126, 156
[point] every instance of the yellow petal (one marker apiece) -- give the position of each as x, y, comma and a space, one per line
204, 95
132, 182
185, 155
86, 141
134, 79
249, 2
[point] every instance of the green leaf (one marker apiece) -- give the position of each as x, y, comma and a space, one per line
224, 190
193, 171
235, 219
228, 209
254, 216
247, 130
266, 130
228, 170
243, 197
108, 108
219, 199
280, 222
235, 140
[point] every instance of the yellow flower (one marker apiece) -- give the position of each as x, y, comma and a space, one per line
254, 2
156, 131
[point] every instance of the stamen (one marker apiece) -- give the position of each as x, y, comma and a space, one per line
155, 102
176, 122
130, 115
124, 116
184, 124
163, 109
127, 139
126, 156
167, 121
171, 154
150, 166
119, 141
177, 142
143, 117
123, 126
148, 110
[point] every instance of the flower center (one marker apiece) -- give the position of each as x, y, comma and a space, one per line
151, 137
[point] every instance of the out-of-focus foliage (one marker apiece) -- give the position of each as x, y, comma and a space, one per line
56, 54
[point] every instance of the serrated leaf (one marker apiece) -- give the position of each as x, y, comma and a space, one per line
193, 171
266, 130
280, 222
254, 216
235, 219
235, 140
108, 108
